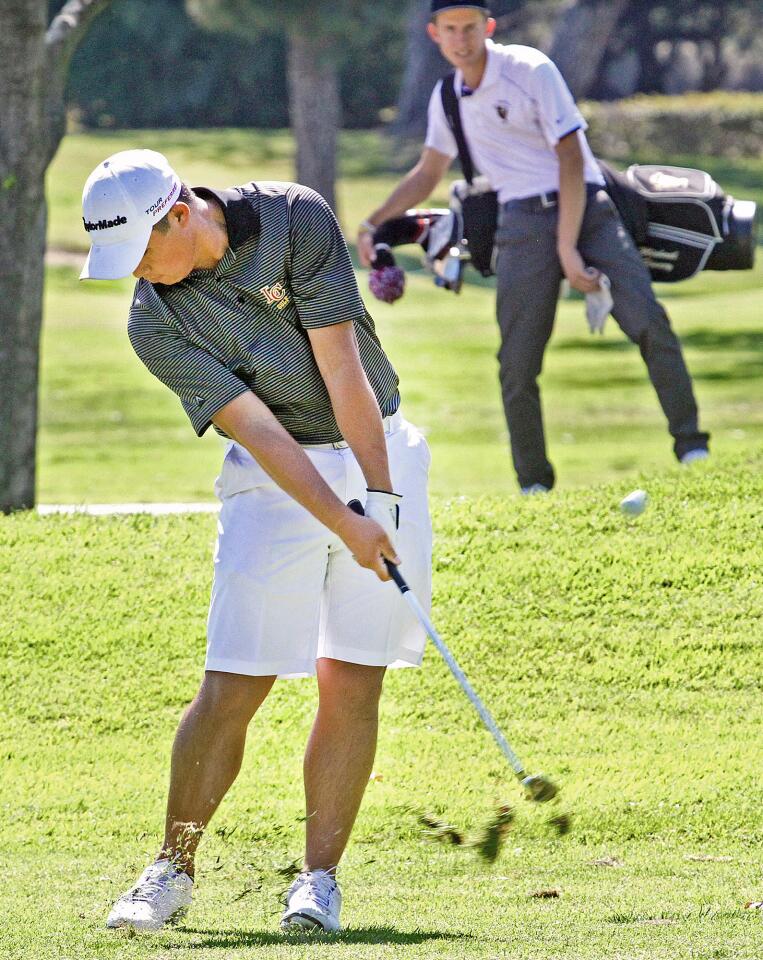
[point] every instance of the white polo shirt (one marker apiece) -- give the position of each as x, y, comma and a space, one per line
512, 122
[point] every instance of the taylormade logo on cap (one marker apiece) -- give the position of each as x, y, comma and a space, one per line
122, 200
104, 224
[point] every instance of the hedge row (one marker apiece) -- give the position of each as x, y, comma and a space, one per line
720, 124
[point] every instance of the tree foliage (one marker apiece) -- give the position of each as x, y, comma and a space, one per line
189, 76
670, 47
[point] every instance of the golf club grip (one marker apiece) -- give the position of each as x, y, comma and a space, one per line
393, 571
487, 718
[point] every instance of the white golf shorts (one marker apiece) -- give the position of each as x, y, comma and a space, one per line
286, 589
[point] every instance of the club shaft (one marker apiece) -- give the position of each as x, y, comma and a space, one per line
487, 718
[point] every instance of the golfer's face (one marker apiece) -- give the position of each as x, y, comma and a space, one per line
169, 256
460, 34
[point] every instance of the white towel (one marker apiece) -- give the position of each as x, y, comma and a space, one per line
598, 305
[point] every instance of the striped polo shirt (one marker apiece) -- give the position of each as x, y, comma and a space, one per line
244, 324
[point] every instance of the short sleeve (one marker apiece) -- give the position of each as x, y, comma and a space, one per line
439, 135
203, 384
321, 278
557, 110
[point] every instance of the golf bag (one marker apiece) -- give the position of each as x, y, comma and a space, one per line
681, 220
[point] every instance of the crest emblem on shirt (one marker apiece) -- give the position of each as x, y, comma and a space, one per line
275, 295
502, 109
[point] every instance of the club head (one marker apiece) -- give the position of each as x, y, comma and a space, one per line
560, 823
539, 788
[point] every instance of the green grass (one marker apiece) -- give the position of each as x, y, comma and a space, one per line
221, 158
369, 166
622, 657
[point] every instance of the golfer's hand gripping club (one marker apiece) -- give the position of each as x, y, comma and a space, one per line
384, 507
371, 544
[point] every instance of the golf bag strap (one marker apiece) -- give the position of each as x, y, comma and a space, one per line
453, 116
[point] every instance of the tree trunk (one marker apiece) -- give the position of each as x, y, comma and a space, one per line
23, 160
33, 65
315, 110
424, 66
580, 40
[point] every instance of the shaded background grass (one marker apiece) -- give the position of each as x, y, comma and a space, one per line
111, 432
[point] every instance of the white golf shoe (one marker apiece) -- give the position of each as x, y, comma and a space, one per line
313, 902
692, 456
533, 489
161, 895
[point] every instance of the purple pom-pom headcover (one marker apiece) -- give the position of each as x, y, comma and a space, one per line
387, 283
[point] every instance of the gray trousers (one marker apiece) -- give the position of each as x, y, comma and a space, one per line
529, 275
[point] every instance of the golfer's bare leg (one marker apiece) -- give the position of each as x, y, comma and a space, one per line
206, 757
339, 756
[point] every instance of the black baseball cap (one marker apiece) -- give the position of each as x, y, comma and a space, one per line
437, 6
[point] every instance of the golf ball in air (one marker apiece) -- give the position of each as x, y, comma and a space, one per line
635, 503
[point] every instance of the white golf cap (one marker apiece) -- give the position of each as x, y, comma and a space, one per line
122, 200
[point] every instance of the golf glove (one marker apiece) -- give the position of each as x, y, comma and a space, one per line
383, 507
598, 305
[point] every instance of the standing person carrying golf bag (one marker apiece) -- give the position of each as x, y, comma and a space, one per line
247, 307
525, 134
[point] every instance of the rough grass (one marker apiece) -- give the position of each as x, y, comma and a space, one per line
623, 658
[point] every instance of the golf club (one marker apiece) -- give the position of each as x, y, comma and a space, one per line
537, 787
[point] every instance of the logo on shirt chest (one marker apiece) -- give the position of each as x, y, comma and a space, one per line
502, 109
275, 295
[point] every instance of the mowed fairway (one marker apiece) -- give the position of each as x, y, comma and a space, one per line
622, 657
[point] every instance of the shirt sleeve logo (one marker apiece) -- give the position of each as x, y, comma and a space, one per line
275, 295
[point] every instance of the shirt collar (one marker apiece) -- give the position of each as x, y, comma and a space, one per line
242, 217
491, 74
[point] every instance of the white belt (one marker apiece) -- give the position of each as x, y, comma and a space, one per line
390, 424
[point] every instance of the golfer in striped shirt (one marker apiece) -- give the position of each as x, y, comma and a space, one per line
247, 307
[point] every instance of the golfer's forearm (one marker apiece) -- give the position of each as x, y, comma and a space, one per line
247, 421
357, 415
355, 406
572, 198
412, 190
